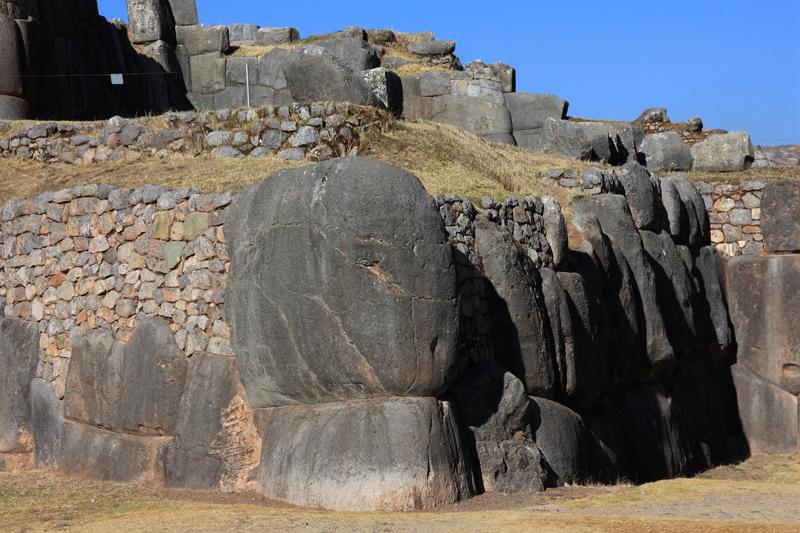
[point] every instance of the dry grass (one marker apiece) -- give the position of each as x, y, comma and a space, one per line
258, 51
446, 160
759, 495
760, 174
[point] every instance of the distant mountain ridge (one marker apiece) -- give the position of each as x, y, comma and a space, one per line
787, 155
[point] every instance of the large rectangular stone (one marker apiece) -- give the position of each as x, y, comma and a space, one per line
764, 303
208, 73
780, 212
201, 40
184, 11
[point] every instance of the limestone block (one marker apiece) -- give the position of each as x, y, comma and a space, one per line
780, 213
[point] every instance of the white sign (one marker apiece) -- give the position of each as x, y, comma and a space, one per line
117, 79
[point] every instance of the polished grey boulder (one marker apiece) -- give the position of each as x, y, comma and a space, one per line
342, 286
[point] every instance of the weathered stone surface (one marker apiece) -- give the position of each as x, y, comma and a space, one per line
389, 455
432, 48
47, 422
134, 387
387, 87
298, 254
699, 225
313, 74
769, 414
494, 412
352, 52
712, 300
149, 20
666, 151
11, 60
612, 142
216, 445
653, 115
519, 317
764, 302
100, 454
203, 40
726, 152
276, 36
676, 211
529, 113
613, 214
555, 230
242, 33
184, 12
674, 285
19, 353
504, 73
561, 436
562, 137
780, 217
13, 108
641, 194
476, 115
208, 73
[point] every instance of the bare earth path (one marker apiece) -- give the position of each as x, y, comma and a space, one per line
762, 494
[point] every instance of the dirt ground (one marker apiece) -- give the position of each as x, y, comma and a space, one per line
762, 494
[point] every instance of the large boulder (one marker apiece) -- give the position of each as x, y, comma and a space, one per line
519, 317
11, 62
47, 422
780, 217
313, 74
133, 387
529, 113
493, 410
564, 137
387, 87
666, 152
302, 243
216, 445
199, 39
390, 455
764, 306
432, 48
677, 222
614, 216
13, 108
725, 152
476, 115
711, 309
561, 436
697, 215
19, 354
769, 414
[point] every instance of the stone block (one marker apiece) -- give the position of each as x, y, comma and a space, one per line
724, 153
208, 73
150, 20
764, 303
666, 152
529, 113
475, 115
202, 40
184, 12
242, 33
780, 215
372, 455
276, 36
769, 415
11, 64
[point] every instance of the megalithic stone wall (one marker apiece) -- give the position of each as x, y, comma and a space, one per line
474, 346
764, 295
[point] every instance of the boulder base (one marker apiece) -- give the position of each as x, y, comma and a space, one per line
387, 455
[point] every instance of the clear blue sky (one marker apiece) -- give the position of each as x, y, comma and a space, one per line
735, 63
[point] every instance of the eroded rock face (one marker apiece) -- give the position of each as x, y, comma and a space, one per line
529, 113
724, 153
391, 455
19, 353
342, 286
561, 436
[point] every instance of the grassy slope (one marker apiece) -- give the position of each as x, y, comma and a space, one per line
446, 159
759, 495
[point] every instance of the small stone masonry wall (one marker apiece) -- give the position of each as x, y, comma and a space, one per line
100, 257
735, 215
